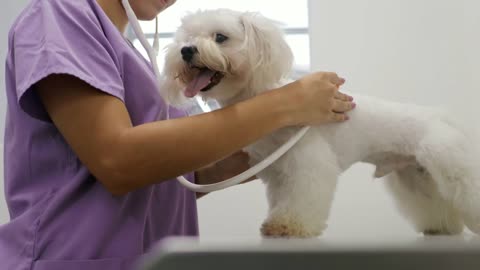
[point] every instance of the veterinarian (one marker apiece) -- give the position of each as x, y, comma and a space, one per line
87, 156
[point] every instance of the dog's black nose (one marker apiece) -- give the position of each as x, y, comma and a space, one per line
188, 52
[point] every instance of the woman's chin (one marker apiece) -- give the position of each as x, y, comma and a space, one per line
150, 13
148, 16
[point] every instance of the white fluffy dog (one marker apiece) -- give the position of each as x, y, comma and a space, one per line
429, 163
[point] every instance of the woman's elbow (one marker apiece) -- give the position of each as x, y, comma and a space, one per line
114, 176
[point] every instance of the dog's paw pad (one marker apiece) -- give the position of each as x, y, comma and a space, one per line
432, 232
286, 230
275, 230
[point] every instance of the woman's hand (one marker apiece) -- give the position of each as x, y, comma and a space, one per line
223, 170
315, 99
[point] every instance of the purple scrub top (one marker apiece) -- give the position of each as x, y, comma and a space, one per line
61, 217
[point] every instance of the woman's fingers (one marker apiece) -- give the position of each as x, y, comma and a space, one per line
340, 106
338, 117
335, 79
343, 97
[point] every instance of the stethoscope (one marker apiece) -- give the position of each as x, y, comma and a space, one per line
152, 55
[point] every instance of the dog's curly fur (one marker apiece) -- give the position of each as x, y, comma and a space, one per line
428, 160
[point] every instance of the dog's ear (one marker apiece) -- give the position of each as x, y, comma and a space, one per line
269, 55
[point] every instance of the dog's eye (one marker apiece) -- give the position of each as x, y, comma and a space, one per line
220, 38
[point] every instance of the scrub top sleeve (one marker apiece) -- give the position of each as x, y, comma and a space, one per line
64, 38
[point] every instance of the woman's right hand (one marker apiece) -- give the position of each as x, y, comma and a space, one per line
315, 99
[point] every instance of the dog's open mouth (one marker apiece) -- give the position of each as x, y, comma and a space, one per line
205, 80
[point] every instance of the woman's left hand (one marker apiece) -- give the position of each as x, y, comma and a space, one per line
224, 169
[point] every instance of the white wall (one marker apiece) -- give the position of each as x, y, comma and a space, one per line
8, 12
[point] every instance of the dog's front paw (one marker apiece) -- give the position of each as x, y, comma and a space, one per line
291, 229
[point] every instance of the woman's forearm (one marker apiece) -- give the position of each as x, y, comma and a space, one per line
98, 128
157, 151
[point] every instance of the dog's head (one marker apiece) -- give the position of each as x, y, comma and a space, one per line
220, 53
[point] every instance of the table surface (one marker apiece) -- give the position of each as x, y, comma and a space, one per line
435, 252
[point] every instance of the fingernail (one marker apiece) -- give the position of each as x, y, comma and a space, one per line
347, 117
350, 98
354, 105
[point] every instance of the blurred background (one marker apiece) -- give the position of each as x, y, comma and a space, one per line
424, 52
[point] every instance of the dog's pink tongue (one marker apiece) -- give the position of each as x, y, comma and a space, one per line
201, 81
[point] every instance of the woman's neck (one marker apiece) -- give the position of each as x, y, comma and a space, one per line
116, 13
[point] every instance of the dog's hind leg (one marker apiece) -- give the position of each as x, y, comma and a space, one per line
300, 198
417, 197
452, 160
